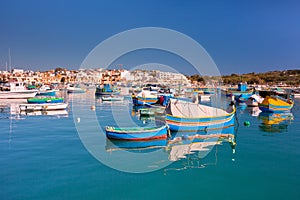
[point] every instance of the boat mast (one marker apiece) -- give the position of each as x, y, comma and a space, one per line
9, 60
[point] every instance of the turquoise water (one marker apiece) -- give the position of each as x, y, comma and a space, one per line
42, 157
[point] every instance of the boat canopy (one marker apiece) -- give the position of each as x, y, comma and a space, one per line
185, 109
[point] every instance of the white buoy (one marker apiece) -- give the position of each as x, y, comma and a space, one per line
78, 120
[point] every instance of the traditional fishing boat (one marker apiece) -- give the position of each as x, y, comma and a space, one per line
137, 133
106, 90
276, 104
43, 107
187, 116
145, 97
16, 90
45, 100
241, 90
112, 98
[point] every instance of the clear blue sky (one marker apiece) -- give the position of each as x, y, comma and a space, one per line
241, 36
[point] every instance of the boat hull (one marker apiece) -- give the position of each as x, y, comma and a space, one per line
45, 100
199, 124
275, 105
143, 100
136, 134
47, 93
18, 94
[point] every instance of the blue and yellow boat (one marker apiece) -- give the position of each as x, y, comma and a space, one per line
187, 116
276, 104
145, 97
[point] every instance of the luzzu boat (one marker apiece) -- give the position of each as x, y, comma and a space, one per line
145, 97
45, 100
241, 90
276, 104
106, 90
187, 116
137, 133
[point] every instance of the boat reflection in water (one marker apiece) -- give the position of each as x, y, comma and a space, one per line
188, 147
11, 107
58, 113
275, 122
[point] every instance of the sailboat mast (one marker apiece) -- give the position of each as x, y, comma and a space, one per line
9, 59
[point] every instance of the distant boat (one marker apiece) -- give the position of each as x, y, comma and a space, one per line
296, 93
45, 100
209, 91
204, 97
46, 91
276, 104
105, 90
43, 107
145, 97
187, 116
16, 90
75, 89
241, 90
137, 133
105, 98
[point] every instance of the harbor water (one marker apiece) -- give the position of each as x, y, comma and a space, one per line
42, 156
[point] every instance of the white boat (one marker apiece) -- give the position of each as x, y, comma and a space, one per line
104, 98
76, 89
43, 107
16, 90
296, 93
204, 97
47, 91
